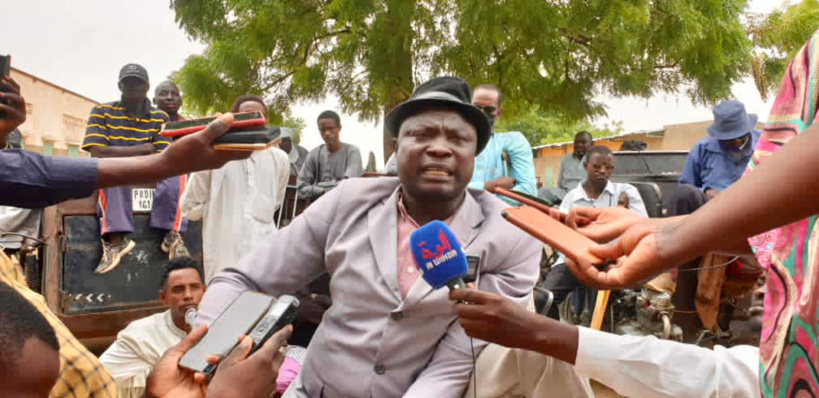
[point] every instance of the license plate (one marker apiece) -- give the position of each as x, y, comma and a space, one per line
143, 199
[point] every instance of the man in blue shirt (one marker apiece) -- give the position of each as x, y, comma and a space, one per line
714, 163
491, 169
717, 161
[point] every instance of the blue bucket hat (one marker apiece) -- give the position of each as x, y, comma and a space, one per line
731, 121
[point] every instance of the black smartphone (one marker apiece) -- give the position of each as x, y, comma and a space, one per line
5, 65
223, 334
185, 127
281, 313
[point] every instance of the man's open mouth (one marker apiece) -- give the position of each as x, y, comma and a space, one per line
436, 172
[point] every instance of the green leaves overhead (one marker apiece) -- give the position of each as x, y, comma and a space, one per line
555, 56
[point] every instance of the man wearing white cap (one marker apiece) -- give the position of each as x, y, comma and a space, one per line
297, 153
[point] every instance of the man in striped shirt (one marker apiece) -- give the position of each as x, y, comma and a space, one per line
124, 128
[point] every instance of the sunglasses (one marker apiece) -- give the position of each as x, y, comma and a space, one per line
488, 110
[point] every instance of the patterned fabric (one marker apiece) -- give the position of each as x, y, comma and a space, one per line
81, 374
789, 345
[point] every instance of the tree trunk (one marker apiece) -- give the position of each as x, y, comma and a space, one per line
399, 83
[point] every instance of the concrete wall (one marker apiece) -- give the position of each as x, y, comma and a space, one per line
56, 116
674, 137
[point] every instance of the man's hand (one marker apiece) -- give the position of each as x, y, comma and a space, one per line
604, 224
642, 252
502, 182
711, 193
167, 379
195, 152
241, 376
498, 320
12, 107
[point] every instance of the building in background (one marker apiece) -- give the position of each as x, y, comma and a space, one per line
675, 137
55, 123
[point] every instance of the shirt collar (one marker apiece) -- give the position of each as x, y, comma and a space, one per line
172, 326
404, 215
583, 196
146, 108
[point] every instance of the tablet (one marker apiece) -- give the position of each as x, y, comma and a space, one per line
571, 243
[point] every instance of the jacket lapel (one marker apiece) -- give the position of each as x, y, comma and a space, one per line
381, 223
465, 225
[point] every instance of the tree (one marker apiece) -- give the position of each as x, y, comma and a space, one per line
540, 128
297, 125
777, 38
556, 55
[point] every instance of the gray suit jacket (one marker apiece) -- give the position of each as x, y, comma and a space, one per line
371, 343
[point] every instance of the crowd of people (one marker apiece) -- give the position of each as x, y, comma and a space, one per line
381, 330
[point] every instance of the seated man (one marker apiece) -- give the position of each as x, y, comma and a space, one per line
713, 164
327, 165
571, 170
140, 345
490, 166
29, 351
130, 127
595, 191
387, 333
296, 153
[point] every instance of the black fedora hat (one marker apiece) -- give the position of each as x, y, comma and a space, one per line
446, 93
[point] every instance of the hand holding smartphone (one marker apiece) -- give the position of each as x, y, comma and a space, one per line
254, 314
552, 232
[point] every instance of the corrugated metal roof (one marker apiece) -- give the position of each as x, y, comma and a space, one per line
621, 135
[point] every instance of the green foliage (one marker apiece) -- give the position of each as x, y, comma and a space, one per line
556, 56
297, 124
778, 37
540, 128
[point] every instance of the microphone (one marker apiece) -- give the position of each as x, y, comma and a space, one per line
438, 255
190, 317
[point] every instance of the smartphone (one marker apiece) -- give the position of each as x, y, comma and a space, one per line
535, 202
185, 127
223, 334
281, 313
473, 264
249, 139
5, 65
571, 243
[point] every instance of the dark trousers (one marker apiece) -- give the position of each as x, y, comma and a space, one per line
561, 282
686, 200
115, 208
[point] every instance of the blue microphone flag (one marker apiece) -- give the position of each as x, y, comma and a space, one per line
438, 254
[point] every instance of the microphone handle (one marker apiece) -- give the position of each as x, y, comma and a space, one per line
456, 283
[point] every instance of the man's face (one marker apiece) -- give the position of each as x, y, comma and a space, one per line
329, 130
487, 101
183, 291
582, 143
737, 143
133, 89
598, 169
286, 144
35, 372
167, 97
436, 155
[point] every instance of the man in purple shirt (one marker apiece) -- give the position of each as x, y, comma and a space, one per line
713, 164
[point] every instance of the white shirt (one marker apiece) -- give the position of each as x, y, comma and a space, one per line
640, 366
137, 349
236, 204
608, 198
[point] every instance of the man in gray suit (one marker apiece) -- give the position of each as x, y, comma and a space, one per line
388, 334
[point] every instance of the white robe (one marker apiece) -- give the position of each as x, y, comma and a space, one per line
137, 349
237, 204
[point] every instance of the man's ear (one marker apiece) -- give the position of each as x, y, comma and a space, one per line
154, 101
498, 113
162, 296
